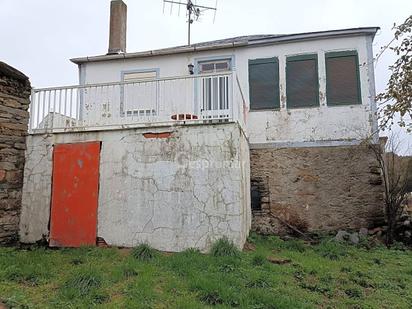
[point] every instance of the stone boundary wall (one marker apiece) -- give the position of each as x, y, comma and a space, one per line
14, 102
315, 189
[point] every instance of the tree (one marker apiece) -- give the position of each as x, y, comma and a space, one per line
397, 97
394, 173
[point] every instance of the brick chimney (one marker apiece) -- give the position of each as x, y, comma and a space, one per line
118, 21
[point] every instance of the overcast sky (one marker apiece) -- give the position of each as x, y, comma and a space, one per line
39, 36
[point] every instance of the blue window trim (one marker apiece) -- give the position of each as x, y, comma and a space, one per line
214, 58
122, 74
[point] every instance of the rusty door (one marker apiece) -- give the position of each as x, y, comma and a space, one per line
75, 185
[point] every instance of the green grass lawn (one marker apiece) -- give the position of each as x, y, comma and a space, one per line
328, 275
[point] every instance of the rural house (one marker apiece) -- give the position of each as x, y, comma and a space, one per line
181, 146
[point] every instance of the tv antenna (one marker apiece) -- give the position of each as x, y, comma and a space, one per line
193, 12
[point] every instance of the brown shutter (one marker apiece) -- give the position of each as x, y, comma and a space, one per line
342, 78
302, 85
264, 84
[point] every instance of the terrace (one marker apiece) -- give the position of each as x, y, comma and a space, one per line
205, 98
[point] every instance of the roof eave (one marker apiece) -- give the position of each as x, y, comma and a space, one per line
270, 40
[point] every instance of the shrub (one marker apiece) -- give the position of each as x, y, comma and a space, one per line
224, 247
143, 252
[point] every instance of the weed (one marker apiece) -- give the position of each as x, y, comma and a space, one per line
346, 269
226, 268
258, 283
143, 252
353, 293
129, 271
258, 260
294, 245
211, 298
82, 283
332, 250
191, 251
224, 247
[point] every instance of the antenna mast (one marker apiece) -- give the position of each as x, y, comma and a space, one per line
193, 12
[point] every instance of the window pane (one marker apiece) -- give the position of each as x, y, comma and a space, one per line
222, 66
302, 88
207, 67
342, 80
214, 66
264, 84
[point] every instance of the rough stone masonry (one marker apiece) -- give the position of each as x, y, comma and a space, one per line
315, 189
14, 102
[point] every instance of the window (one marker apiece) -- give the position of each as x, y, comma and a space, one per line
264, 83
342, 78
214, 66
302, 85
215, 90
139, 99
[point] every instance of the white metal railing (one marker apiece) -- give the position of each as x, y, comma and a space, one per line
195, 98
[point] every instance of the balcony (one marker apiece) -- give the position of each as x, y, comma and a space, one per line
205, 98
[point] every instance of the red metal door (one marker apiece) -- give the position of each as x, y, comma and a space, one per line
73, 219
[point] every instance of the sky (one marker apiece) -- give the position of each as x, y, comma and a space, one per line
39, 37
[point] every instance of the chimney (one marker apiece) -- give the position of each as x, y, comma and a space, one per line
118, 21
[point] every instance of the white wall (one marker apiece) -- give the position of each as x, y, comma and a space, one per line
323, 123
183, 191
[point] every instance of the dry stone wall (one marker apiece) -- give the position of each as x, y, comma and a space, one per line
315, 189
14, 102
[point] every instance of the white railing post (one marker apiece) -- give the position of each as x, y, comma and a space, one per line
32, 108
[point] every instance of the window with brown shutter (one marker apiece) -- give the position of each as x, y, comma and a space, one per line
342, 78
264, 84
302, 85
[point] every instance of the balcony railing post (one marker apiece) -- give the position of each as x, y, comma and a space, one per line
32, 108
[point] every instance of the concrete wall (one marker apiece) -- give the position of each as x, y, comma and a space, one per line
316, 188
323, 123
14, 101
183, 188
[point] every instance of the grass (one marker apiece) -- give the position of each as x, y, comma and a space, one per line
143, 252
328, 275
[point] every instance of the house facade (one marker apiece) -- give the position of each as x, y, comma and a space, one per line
193, 143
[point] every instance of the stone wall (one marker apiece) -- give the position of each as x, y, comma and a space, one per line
315, 189
14, 102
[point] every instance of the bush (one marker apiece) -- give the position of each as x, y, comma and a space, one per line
143, 252
224, 247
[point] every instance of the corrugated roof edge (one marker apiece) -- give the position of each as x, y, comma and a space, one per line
242, 41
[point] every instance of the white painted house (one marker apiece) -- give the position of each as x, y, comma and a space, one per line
176, 127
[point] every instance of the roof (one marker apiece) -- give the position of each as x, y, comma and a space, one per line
240, 41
